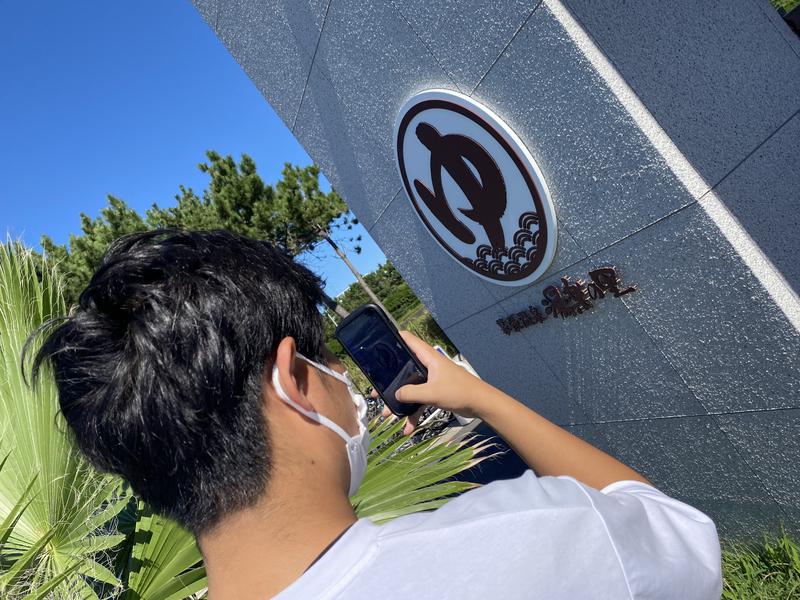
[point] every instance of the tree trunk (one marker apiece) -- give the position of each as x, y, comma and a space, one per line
334, 305
340, 253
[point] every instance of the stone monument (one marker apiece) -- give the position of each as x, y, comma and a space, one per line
650, 296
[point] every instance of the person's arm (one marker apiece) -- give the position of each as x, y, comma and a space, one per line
544, 446
666, 548
547, 448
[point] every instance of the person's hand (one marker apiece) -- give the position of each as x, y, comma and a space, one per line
449, 386
411, 421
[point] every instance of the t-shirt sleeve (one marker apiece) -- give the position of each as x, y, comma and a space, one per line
666, 548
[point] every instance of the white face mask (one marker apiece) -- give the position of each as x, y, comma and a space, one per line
357, 445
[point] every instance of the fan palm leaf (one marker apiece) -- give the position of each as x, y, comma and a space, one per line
404, 478
58, 541
165, 563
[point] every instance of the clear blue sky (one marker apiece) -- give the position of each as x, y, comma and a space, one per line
124, 98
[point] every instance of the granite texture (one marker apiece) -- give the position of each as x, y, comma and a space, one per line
567, 254
763, 193
608, 365
511, 364
208, 10
709, 315
368, 63
438, 280
774, 17
274, 42
695, 378
466, 37
693, 460
605, 178
717, 75
770, 443
325, 128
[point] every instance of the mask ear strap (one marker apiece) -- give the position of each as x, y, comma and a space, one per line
324, 369
314, 416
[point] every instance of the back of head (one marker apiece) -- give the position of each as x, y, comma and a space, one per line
159, 367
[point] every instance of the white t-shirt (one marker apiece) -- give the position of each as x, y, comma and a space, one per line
532, 538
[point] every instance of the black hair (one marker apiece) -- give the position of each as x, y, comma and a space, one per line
159, 366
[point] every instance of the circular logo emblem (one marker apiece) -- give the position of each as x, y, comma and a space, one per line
475, 186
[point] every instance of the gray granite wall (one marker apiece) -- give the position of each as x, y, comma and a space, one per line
669, 135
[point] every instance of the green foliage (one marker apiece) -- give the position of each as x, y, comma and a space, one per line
401, 479
405, 478
428, 329
294, 214
398, 299
762, 571
383, 281
289, 214
58, 537
354, 296
55, 510
77, 263
391, 289
785, 5
330, 338
401, 301
165, 562
67, 531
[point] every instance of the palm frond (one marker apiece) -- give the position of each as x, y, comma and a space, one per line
165, 563
65, 495
404, 478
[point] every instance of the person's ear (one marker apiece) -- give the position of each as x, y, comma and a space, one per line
292, 373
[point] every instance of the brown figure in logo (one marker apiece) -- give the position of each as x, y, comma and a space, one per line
486, 192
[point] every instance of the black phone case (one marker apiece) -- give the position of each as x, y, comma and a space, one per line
401, 409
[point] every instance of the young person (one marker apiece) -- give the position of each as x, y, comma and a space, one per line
194, 367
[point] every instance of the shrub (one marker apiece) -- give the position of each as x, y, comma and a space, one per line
785, 5
401, 301
428, 329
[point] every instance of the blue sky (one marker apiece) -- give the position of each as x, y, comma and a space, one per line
125, 98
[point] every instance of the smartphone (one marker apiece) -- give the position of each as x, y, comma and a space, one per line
375, 345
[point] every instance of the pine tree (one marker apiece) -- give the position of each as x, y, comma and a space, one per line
294, 214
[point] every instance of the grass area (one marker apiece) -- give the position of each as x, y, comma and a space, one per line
785, 5
768, 570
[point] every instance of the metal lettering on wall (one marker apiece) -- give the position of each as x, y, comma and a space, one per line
569, 299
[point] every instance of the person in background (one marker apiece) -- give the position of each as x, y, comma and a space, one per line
194, 367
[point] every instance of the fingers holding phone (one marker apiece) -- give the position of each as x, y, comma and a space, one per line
375, 345
406, 372
411, 421
448, 386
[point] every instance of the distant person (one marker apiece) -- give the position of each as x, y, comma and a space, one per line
195, 368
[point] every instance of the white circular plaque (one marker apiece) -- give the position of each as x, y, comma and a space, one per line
475, 186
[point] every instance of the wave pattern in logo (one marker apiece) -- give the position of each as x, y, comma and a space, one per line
515, 260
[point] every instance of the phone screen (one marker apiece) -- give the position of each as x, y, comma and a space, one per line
382, 355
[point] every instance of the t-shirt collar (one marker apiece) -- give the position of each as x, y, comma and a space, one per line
337, 565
